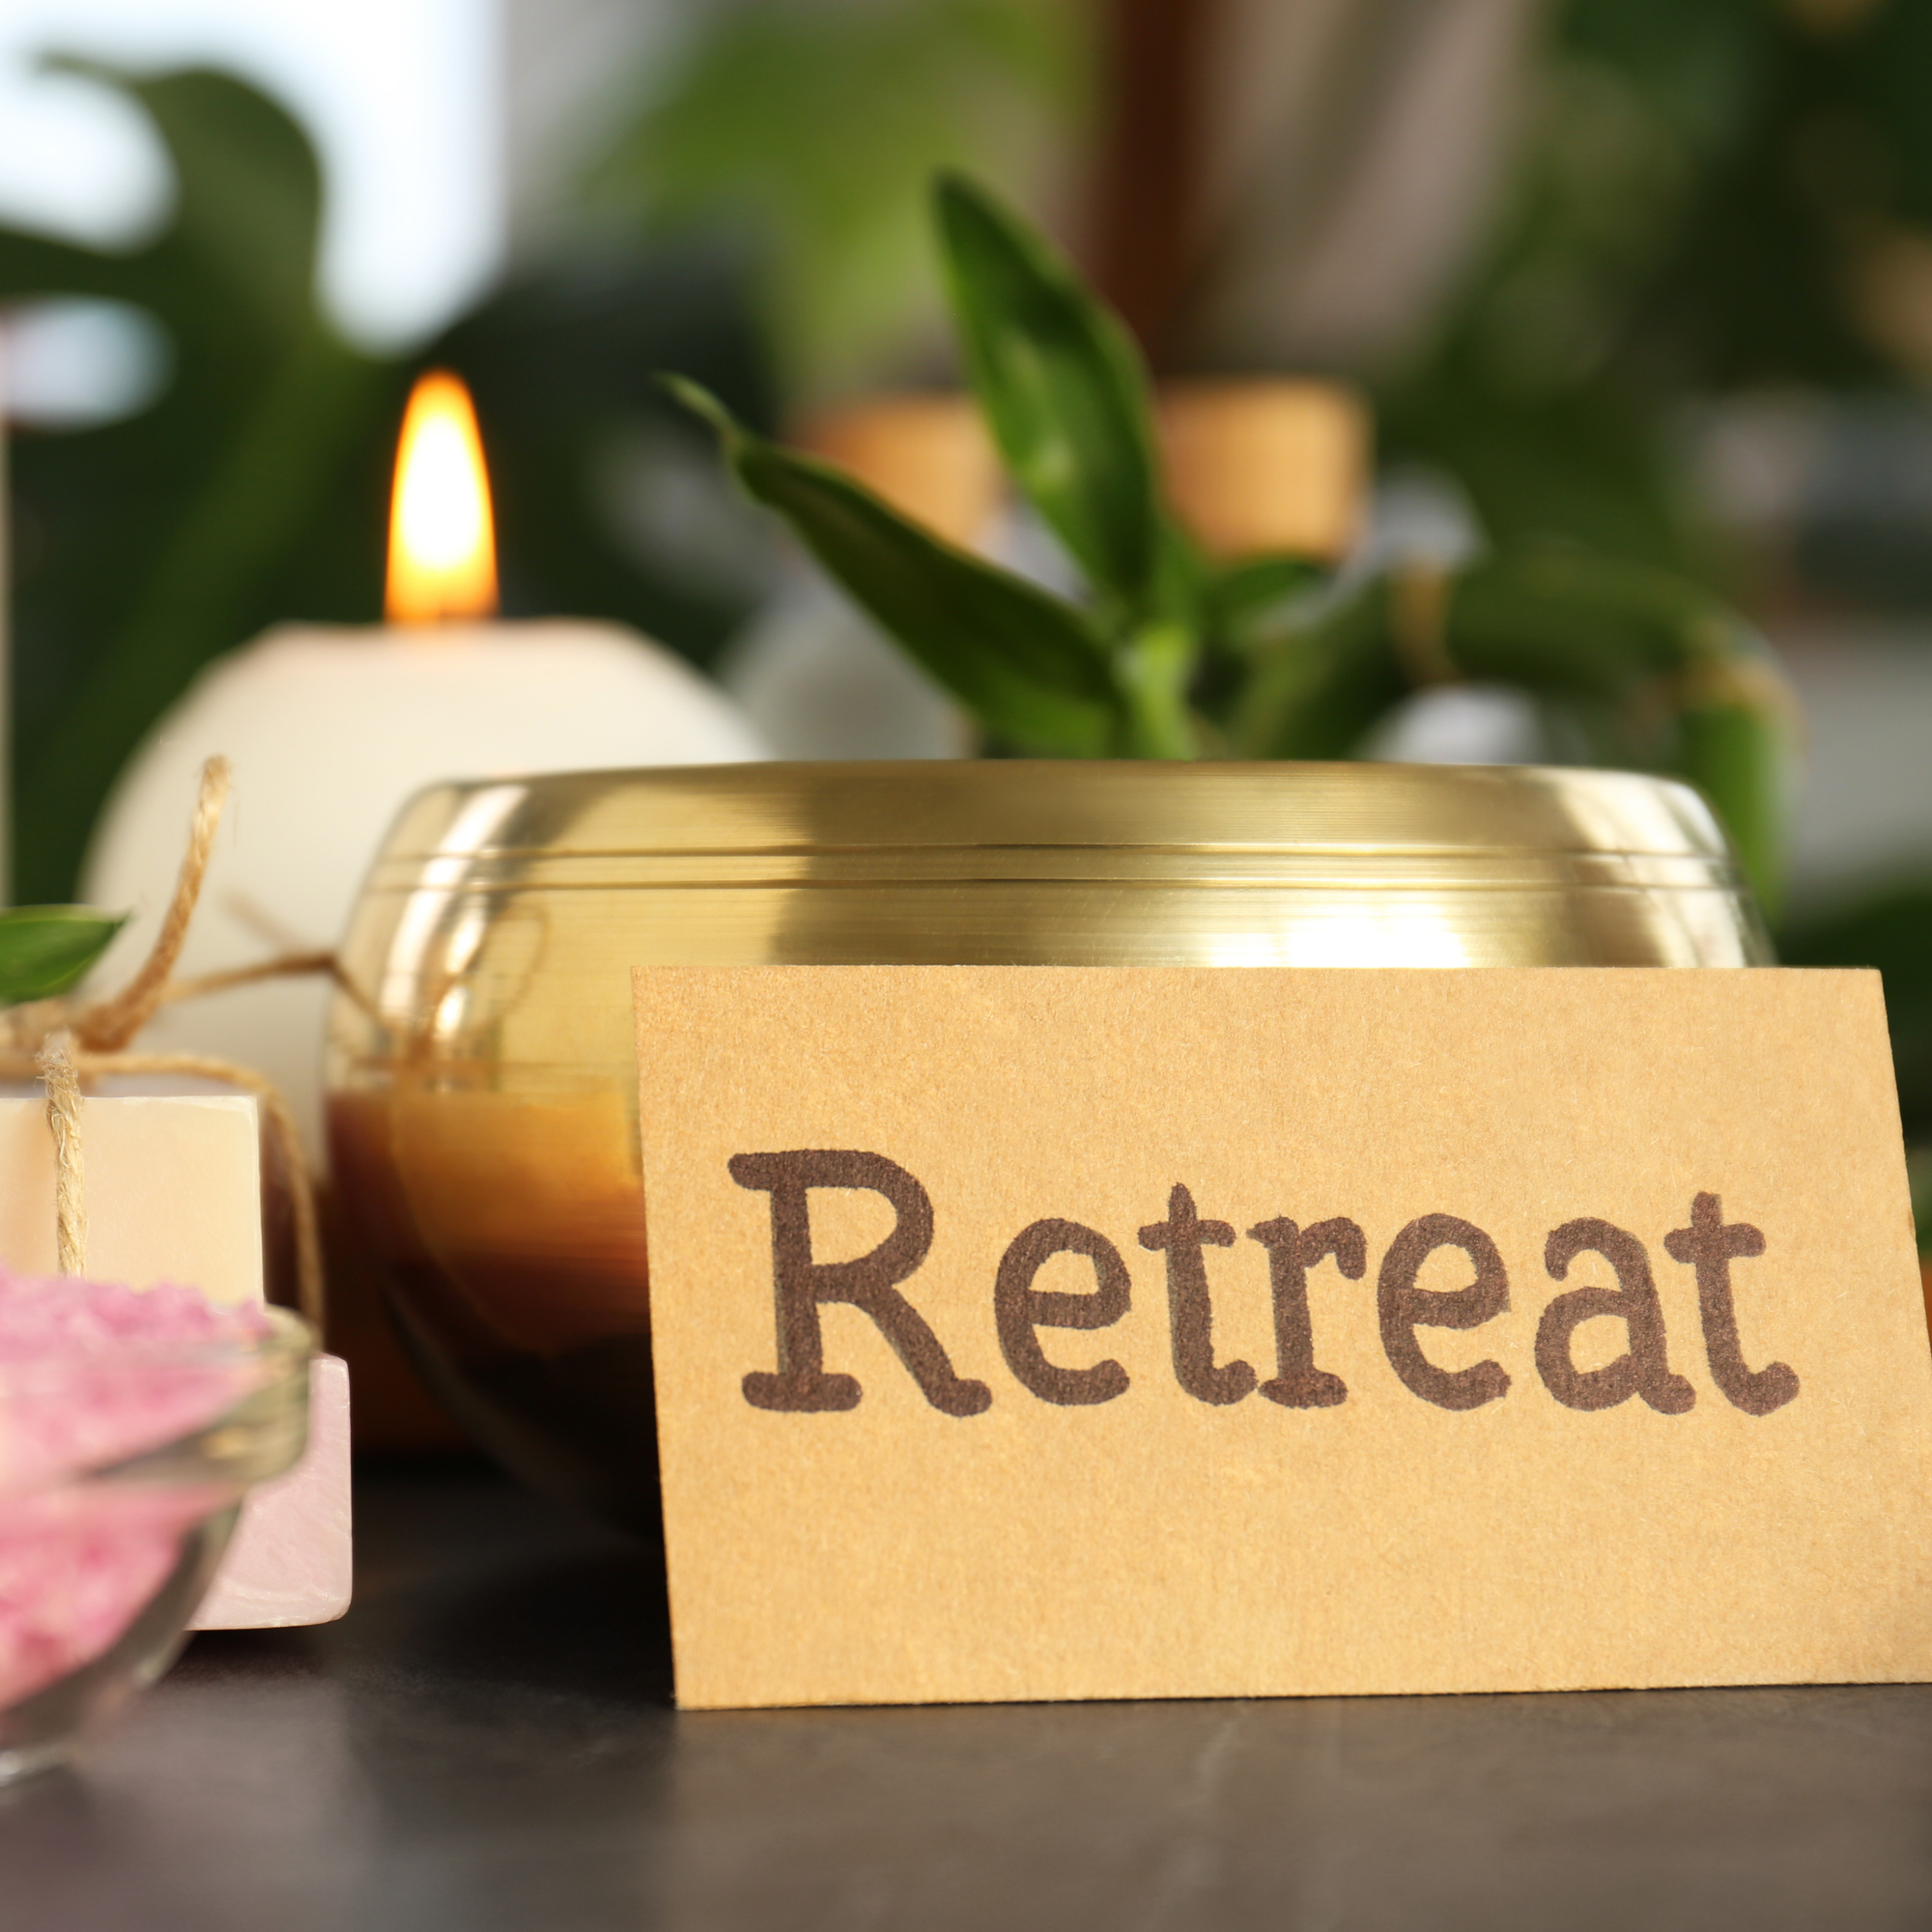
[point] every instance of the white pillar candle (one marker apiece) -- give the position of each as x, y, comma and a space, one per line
330, 729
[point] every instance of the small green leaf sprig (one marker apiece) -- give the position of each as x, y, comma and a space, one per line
1170, 654
46, 951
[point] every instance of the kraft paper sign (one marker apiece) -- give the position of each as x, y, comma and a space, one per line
1043, 1333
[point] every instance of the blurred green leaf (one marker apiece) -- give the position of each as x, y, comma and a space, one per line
1154, 666
1664, 675
811, 130
1239, 594
609, 499
1619, 642
1893, 931
45, 949
196, 600
1738, 755
1700, 203
1645, 668
1063, 392
1595, 469
254, 488
1320, 684
1027, 666
148, 546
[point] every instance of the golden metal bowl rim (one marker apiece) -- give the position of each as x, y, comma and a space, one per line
1125, 806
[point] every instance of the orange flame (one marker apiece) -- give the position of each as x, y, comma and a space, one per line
443, 543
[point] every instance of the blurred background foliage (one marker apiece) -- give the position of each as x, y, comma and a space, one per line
143, 545
1708, 198
1681, 212
809, 132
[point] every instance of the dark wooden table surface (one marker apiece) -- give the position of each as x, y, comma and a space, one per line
485, 1741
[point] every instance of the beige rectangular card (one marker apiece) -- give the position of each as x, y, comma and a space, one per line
1046, 1333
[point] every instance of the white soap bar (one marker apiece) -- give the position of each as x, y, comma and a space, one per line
174, 1191
290, 1560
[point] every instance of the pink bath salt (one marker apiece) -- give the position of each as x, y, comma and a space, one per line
92, 1375
77, 1567
92, 1372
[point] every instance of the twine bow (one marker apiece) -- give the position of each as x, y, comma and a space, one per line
64, 1041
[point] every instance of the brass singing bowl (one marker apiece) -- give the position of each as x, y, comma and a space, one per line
482, 1093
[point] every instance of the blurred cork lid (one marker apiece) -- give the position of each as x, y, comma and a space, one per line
1265, 465
1252, 465
928, 455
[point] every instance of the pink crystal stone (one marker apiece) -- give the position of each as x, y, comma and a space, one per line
291, 1559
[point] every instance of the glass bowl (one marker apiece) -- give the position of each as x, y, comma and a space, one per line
121, 1475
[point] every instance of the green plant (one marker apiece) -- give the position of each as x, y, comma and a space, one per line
147, 545
1169, 654
48, 949
807, 129
1705, 200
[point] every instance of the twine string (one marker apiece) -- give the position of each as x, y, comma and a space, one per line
56, 1067
108, 1025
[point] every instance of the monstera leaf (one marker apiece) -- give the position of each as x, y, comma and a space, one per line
149, 545
254, 488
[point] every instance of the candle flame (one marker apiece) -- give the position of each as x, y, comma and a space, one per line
442, 544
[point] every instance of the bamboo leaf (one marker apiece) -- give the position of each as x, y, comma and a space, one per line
1064, 390
1239, 594
1648, 669
1152, 669
1700, 695
45, 949
1318, 686
1555, 619
1030, 667
1738, 753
